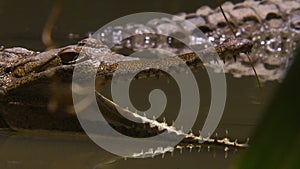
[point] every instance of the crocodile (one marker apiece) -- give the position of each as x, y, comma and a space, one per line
272, 26
29, 79
25, 75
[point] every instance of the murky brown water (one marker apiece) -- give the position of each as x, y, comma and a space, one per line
28, 150
56, 150
21, 25
22, 22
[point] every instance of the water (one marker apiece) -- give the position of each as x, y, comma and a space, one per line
68, 150
33, 150
23, 21
22, 24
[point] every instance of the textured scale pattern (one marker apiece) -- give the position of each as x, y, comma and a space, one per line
273, 26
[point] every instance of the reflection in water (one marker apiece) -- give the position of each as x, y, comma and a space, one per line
52, 150
45, 150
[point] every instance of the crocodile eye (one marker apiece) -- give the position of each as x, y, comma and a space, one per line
68, 56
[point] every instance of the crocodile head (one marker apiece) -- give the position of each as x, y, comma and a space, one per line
32, 82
